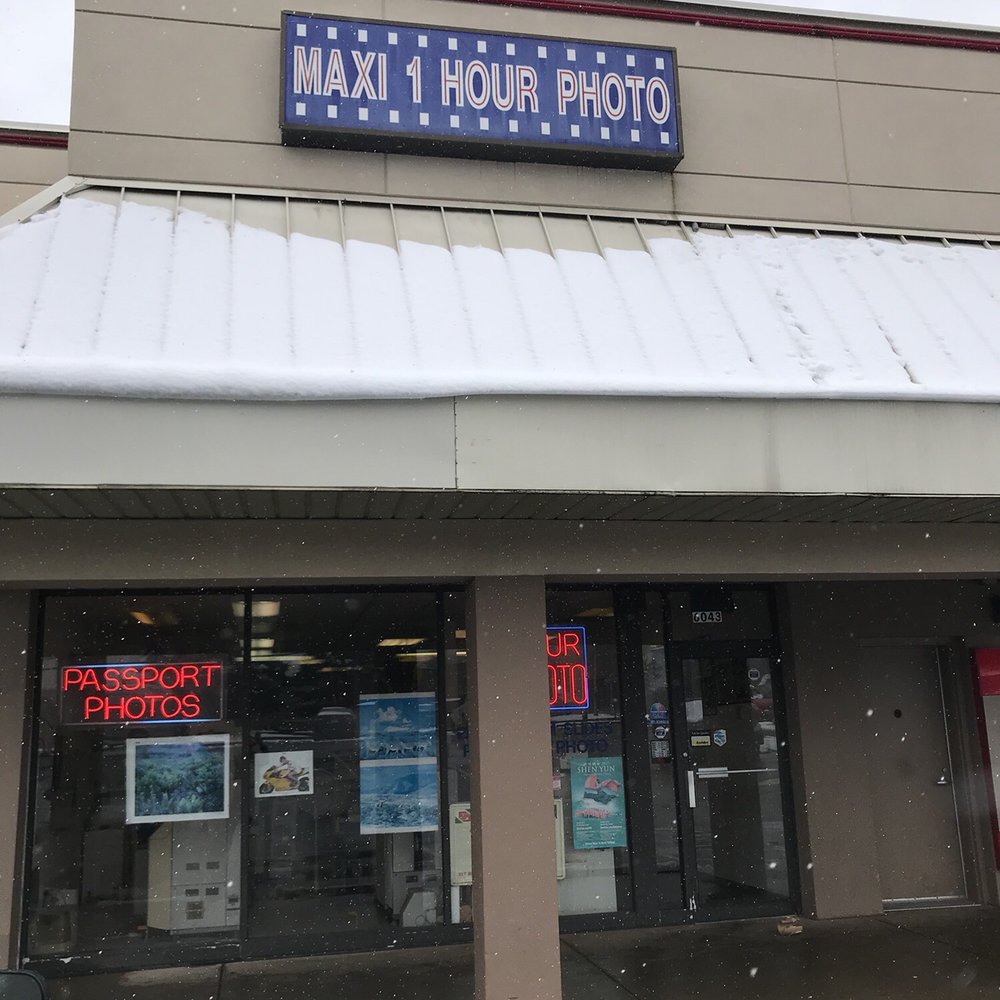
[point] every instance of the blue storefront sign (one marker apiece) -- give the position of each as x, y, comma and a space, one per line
393, 87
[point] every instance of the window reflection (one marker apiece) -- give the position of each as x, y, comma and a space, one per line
587, 753
344, 686
324, 719
121, 853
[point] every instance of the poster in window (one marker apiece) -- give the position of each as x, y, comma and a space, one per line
398, 763
276, 775
171, 779
597, 786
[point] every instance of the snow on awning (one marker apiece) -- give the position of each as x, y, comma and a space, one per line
163, 294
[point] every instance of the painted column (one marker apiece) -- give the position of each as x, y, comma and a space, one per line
513, 840
14, 624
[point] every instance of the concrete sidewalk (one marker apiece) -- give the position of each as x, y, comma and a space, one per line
925, 954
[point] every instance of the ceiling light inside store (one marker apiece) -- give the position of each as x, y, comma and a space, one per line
597, 613
259, 609
460, 633
401, 642
299, 659
142, 617
426, 654
265, 643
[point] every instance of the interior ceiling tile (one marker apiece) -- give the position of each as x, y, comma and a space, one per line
471, 506
94, 503
130, 503
195, 504
397, 505
259, 504
290, 503
382, 505
229, 503
62, 503
412, 506
352, 504
989, 510
9, 507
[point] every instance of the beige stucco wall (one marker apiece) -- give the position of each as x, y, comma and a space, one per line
26, 170
776, 127
508, 443
288, 552
509, 732
14, 672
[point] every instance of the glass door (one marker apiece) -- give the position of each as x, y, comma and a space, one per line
668, 770
653, 788
734, 820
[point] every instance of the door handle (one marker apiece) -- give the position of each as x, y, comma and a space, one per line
713, 772
943, 780
692, 797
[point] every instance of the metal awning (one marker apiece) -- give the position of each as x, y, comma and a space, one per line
116, 291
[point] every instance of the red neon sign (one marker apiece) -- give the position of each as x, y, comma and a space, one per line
117, 694
569, 685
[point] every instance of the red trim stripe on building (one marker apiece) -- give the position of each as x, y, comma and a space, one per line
792, 26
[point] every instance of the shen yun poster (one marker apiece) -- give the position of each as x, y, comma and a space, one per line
398, 763
177, 778
598, 810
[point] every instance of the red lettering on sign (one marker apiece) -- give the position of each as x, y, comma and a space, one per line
147, 692
569, 686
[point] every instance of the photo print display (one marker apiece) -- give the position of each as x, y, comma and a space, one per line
398, 763
289, 772
174, 779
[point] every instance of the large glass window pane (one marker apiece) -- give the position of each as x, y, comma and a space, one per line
587, 754
136, 825
345, 816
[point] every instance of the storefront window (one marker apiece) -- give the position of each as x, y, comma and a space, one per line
137, 813
344, 826
224, 768
588, 781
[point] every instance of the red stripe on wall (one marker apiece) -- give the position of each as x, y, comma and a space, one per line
44, 140
988, 669
798, 26
987, 683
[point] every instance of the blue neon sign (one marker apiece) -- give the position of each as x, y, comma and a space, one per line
392, 87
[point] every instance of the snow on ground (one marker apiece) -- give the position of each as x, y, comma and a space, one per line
136, 300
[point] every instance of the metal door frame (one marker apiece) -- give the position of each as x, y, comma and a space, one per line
941, 651
693, 649
659, 897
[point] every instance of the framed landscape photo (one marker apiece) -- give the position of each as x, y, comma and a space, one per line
172, 779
